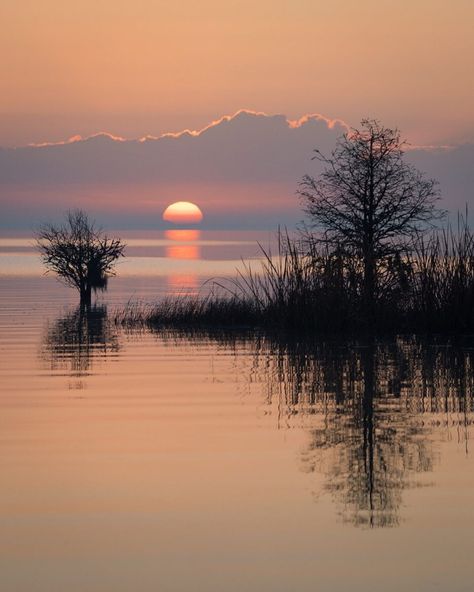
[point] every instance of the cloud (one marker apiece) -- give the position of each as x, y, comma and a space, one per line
245, 147
78, 138
241, 169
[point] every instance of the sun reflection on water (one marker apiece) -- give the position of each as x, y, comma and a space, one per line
183, 235
183, 250
186, 248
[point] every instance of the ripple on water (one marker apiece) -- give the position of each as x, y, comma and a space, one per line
254, 463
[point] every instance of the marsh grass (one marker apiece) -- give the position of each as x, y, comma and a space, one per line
442, 281
185, 311
309, 288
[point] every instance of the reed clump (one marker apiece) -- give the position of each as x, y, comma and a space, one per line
309, 287
211, 310
442, 281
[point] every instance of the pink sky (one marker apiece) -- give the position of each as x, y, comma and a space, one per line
151, 66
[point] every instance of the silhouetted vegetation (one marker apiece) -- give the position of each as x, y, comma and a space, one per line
368, 202
309, 287
81, 254
371, 259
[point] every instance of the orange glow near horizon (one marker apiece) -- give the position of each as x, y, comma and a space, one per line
183, 235
183, 212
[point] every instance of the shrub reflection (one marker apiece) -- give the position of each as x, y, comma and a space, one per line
78, 338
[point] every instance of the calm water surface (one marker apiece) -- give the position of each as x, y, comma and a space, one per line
148, 461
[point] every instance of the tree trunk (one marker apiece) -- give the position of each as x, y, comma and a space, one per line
85, 296
369, 291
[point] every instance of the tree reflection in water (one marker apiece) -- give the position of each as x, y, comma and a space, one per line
75, 340
374, 411
377, 407
371, 410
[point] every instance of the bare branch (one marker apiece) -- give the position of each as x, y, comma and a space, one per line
368, 199
79, 253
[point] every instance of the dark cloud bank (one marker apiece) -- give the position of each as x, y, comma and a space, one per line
243, 171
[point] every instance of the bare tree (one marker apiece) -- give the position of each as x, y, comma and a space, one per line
368, 200
81, 254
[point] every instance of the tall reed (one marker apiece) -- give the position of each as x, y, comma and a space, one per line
308, 287
442, 280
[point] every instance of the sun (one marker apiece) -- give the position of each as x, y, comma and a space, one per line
183, 212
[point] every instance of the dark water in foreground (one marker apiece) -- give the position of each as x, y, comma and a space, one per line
141, 461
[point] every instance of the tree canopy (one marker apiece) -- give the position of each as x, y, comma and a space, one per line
79, 253
368, 200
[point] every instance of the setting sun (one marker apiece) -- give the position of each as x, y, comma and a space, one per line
183, 212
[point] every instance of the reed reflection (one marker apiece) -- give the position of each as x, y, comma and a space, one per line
375, 412
78, 338
376, 409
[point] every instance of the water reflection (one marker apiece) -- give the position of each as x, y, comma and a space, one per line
377, 407
185, 247
183, 283
78, 338
375, 413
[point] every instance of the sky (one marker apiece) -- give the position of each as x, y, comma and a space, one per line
150, 66
242, 171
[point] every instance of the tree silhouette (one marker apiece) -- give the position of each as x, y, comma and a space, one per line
369, 201
82, 255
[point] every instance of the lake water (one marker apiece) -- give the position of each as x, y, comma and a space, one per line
142, 461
